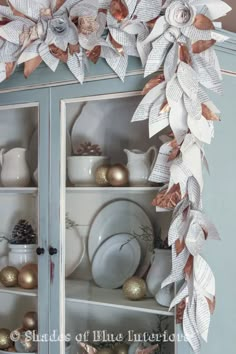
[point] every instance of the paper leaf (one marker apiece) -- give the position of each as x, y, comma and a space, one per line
168, 199
216, 8
10, 67
94, 54
144, 107
203, 316
178, 264
200, 46
159, 28
179, 246
31, 65
188, 269
89, 349
202, 129
188, 80
171, 61
194, 192
157, 55
152, 83
204, 280
203, 23
189, 327
76, 65
208, 114
58, 53
148, 10
184, 54
195, 238
178, 229
180, 311
182, 294
119, 9
161, 170
178, 120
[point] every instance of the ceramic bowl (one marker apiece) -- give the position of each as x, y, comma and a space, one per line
81, 169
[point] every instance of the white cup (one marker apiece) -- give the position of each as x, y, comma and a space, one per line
81, 169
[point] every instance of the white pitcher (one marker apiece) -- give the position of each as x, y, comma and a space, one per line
140, 165
15, 171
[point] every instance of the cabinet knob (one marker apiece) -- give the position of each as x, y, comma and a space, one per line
52, 251
40, 251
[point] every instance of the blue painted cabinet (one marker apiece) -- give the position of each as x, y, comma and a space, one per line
69, 215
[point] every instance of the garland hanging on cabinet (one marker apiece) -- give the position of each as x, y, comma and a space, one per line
178, 34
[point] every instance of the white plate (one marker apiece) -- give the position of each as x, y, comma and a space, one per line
75, 249
123, 216
115, 261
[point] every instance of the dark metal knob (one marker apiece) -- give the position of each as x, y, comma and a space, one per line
52, 251
40, 251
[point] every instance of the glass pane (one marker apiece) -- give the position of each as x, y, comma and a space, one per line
19, 226
113, 266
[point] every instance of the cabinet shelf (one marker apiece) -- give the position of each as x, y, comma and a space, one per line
18, 291
87, 292
112, 189
18, 190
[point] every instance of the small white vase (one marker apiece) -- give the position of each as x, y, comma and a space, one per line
20, 255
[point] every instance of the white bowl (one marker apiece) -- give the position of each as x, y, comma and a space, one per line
81, 169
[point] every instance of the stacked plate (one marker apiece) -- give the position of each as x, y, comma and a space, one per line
120, 243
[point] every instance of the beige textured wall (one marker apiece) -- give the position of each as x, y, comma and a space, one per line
229, 21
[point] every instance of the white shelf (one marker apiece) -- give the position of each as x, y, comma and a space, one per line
18, 291
86, 292
112, 189
27, 190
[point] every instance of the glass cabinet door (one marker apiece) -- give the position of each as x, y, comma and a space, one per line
24, 259
112, 253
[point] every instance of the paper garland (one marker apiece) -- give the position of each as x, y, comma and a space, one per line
178, 35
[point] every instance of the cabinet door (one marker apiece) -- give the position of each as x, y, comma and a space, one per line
104, 227
24, 210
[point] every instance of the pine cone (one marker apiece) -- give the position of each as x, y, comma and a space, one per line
23, 233
89, 149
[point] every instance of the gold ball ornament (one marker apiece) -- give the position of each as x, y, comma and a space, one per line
5, 339
28, 276
118, 175
101, 176
105, 351
30, 321
9, 276
134, 288
121, 348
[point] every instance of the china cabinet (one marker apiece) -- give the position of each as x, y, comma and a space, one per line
77, 224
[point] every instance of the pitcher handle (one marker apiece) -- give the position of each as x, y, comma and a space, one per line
2, 151
155, 154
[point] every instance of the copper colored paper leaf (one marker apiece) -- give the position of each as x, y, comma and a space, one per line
212, 305
31, 65
74, 48
9, 69
150, 349
4, 21
151, 23
119, 9
179, 246
188, 269
59, 3
184, 54
117, 46
104, 11
153, 83
180, 311
168, 200
165, 108
15, 12
200, 46
58, 53
208, 114
203, 23
94, 54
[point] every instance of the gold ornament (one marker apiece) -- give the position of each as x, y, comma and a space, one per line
101, 176
28, 276
121, 348
5, 340
135, 288
105, 351
118, 175
30, 321
9, 276
12, 350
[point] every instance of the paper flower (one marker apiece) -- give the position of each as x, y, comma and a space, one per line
41, 33
186, 22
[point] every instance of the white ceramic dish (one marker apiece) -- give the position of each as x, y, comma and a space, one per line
115, 261
75, 249
123, 216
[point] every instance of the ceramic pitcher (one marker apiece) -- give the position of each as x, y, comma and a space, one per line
15, 171
140, 165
